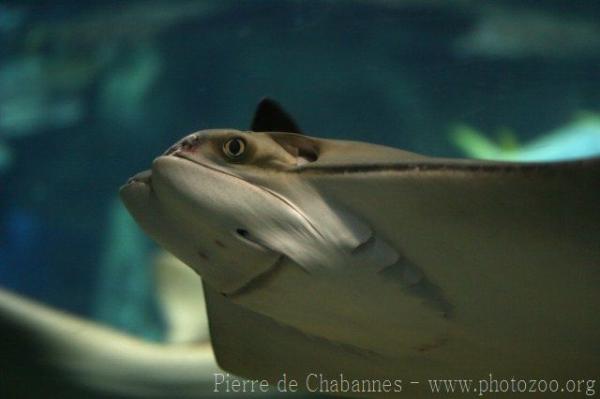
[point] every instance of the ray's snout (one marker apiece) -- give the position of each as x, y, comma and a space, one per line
188, 143
141, 177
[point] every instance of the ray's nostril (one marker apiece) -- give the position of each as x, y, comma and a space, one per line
243, 233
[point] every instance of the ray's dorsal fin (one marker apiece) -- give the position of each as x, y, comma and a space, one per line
271, 117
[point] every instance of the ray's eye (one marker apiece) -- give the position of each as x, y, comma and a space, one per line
234, 148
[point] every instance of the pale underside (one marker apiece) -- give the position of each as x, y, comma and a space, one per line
509, 259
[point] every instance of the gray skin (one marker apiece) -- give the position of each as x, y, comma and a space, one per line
330, 256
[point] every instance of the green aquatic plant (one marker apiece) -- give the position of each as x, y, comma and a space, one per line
477, 145
577, 139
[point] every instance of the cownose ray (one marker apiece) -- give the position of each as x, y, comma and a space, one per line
329, 258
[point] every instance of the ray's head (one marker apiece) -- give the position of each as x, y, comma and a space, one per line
243, 151
205, 197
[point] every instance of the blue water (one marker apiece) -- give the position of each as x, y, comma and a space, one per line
90, 92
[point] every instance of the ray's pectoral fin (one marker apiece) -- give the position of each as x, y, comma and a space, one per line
256, 346
362, 243
319, 236
412, 280
375, 253
271, 117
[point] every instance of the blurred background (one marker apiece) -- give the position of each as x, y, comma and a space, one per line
91, 92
